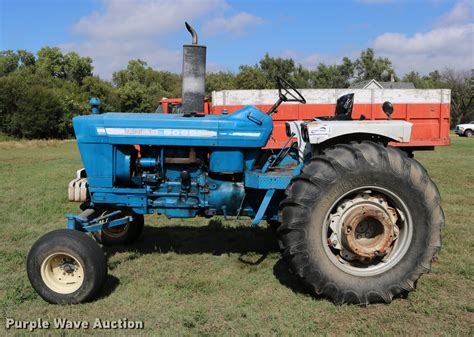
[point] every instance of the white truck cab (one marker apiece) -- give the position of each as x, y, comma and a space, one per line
465, 130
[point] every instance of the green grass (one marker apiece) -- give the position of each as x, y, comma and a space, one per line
195, 277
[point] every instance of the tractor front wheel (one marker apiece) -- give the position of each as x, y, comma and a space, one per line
66, 267
361, 223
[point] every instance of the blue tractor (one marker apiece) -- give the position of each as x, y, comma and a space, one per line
358, 221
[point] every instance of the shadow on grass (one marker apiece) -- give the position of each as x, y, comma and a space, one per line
109, 286
212, 239
283, 273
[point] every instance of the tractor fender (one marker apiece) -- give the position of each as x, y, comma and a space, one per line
320, 131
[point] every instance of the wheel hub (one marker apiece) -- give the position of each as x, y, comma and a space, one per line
367, 232
364, 228
62, 273
68, 267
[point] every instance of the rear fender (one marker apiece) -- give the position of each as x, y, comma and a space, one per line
318, 132
321, 134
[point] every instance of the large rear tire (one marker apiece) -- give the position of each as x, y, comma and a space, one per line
361, 223
66, 267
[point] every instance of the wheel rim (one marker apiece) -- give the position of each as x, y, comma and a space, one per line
367, 231
62, 273
116, 231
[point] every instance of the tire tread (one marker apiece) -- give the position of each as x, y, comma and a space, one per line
328, 168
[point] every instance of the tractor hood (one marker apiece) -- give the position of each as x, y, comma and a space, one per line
247, 127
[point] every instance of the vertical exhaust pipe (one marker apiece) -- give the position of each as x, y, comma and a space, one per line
194, 75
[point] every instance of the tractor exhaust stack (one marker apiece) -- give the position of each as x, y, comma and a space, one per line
194, 75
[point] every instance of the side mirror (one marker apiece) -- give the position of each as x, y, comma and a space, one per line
387, 107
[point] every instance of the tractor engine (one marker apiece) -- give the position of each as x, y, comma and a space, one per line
180, 165
182, 181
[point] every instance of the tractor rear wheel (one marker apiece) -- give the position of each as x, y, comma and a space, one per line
121, 235
361, 223
66, 266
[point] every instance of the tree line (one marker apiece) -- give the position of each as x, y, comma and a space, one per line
39, 94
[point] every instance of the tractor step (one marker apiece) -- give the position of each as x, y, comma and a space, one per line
277, 179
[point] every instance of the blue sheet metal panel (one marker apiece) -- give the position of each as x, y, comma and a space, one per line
264, 181
226, 160
119, 190
128, 200
247, 127
251, 156
123, 162
130, 197
98, 160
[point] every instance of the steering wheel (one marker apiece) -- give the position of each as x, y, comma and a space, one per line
285, 88
286, 93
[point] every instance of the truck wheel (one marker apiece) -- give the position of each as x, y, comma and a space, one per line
468, 133
66, 266
121, 235
361, 223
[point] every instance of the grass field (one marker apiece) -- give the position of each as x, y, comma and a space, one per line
195, 277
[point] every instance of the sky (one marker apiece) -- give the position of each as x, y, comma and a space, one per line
416, 35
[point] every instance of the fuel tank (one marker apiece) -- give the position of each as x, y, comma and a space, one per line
247, 127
